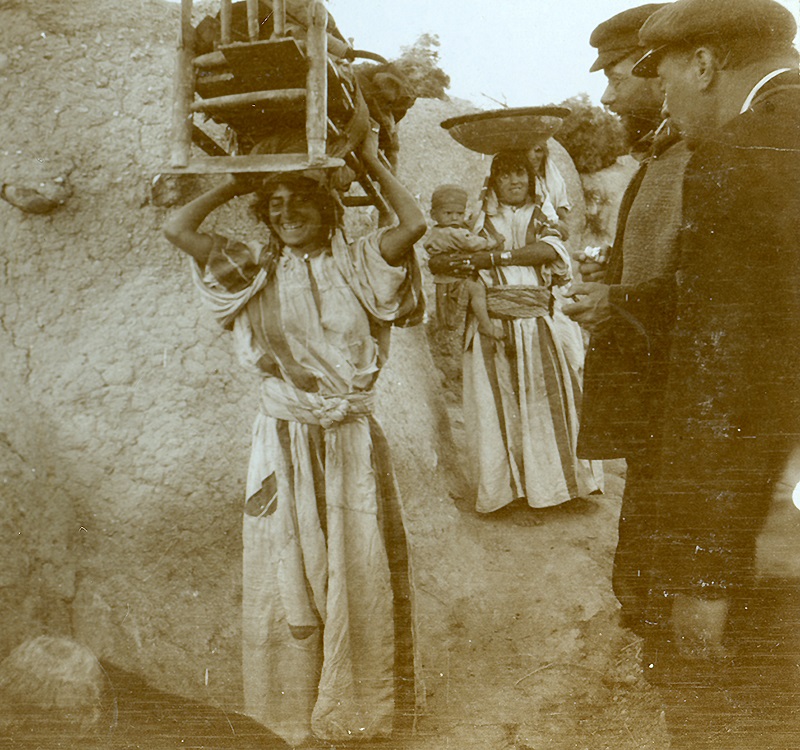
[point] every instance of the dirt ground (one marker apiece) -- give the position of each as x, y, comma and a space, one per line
535, 656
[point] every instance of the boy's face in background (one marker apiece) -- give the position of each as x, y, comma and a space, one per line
451, 216
537, 156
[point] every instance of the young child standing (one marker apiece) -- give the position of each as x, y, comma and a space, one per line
451, 236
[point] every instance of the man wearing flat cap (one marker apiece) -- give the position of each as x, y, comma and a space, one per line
636, 101
732, 418
625, 367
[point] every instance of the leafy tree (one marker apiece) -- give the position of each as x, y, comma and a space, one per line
593, 137
419, 63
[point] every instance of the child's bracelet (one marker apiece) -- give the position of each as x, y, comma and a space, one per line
505, 255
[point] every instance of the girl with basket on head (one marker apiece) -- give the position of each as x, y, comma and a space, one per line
521, 394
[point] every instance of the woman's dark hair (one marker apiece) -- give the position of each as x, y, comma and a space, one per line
309, 188
511, 162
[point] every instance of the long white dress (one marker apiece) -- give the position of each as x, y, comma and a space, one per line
326, 602
522, 396
553, 189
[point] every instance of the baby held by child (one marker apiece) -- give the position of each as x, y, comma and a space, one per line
451, 236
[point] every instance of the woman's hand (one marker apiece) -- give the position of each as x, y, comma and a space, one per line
181, 229
460, 266
536, 253
397, 241
243, 183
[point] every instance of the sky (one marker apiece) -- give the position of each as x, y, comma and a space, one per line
517, 52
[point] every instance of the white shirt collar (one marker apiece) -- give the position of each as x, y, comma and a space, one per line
752, 95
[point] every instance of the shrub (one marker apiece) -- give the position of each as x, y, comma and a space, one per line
419, 63
593, 137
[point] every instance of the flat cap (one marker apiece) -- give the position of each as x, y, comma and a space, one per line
618, 37
687, 21
451, 197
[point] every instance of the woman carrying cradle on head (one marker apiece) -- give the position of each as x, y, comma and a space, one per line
521, 394
326, 610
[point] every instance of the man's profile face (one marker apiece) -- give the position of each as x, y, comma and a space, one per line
684, 102
637, 101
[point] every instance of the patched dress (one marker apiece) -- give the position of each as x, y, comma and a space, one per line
327, 646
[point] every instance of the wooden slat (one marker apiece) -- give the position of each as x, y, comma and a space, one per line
317, 81
225, 21
234, 101
357, 201
210, 60
207, 143
366, 182
268, 64
183, 93
205, 83
253, 24
253, 163
278, 18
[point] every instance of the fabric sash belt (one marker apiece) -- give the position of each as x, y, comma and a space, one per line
281, 400
510, 302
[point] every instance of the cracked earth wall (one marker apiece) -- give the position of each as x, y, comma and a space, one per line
124, 419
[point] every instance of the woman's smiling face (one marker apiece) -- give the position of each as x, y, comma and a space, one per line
296, 218
512, 188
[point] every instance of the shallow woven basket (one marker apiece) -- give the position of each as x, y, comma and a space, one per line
506, 129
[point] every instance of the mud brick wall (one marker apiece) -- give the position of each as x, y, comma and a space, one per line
124, 418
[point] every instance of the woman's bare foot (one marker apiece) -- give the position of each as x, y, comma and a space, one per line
526, 516
519, 513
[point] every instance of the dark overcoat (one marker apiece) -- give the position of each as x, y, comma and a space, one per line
732, 400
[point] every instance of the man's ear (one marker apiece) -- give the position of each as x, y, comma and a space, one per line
706, 67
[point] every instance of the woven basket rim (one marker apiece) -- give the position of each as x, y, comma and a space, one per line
505, 129
547, 111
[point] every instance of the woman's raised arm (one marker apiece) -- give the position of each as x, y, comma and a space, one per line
399, 240
181, 227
